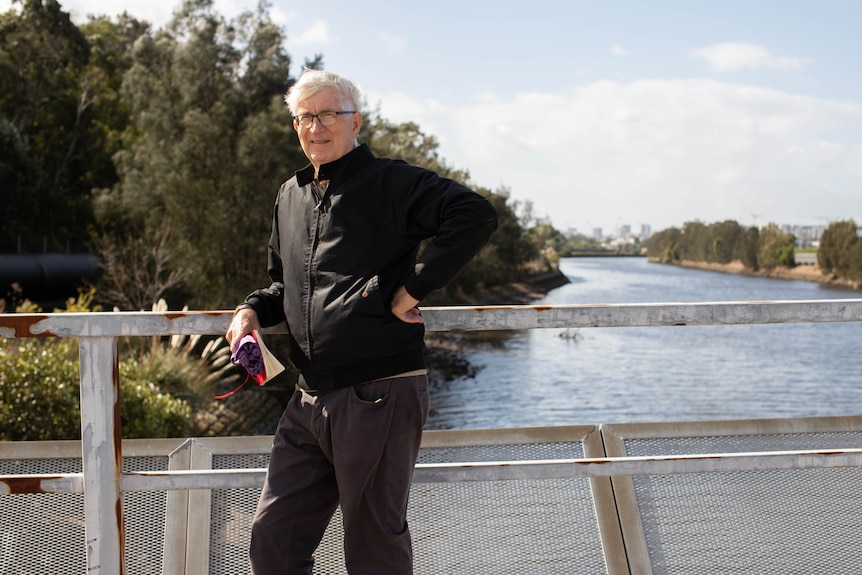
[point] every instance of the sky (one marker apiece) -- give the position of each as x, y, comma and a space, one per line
604, 113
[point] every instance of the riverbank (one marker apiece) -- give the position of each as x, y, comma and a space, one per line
444, 351
810, 273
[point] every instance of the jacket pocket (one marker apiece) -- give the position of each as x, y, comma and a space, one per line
369, 300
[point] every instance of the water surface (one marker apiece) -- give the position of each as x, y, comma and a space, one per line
648, 374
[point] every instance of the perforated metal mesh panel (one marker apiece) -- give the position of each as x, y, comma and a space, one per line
742, 443
230, 525
787, 521
231, 514
505, 527
514, 526
505, 452
783, 522
517, 527
43, 533
145, 514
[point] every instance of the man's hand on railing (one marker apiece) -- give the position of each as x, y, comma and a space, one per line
244, 322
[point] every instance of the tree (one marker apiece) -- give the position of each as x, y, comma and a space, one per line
136, 272
854, 266
748, 248
210, 143
724, 238
42, 56
509, 251
407, 142
722, 242
775, 248
694, 244
165, 149
20, 177
60, 100
836, 246
664, 245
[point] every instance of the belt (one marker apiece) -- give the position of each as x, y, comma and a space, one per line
413, 373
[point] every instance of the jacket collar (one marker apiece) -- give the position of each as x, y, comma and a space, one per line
343, 166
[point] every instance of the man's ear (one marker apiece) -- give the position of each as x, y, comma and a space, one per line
357, 123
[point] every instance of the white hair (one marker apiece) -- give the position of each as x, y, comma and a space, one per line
312, 81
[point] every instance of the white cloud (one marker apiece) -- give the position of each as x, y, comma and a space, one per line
618, 51
316, 35
730, 56
660, 152
281, 17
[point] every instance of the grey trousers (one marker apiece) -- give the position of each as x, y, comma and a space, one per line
356, 446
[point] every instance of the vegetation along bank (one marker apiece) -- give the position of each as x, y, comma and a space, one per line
763, 252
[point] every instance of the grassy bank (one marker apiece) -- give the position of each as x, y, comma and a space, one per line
810, 273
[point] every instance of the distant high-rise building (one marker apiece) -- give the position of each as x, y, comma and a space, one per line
597, 234
646, 232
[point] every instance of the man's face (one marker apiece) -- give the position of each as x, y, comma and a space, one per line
324, 144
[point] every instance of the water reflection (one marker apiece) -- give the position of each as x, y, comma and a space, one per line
639, 374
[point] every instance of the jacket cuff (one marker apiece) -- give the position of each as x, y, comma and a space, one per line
417, 288
243, 306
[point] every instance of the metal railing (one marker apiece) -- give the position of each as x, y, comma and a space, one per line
102, 480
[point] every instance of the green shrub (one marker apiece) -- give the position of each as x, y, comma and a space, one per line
145, 411
39, 390
40, 395
159, 385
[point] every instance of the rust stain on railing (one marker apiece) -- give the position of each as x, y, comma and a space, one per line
22, 325
118, 430
174, 315
23, 485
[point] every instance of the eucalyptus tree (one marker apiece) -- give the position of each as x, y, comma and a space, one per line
210, 142
694, 244
724, 240
775, 248
836, 249
408, 142
43, 118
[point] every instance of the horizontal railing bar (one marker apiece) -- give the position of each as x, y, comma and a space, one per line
193, 479
43, 483
641, 315
642, 465
458, 318
470, 471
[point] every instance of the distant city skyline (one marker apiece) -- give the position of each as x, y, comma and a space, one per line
806, 235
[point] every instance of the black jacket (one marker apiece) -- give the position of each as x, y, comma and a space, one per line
335, 262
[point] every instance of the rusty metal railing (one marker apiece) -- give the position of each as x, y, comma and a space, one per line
102, 480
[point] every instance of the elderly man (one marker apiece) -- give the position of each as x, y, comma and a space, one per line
347, 278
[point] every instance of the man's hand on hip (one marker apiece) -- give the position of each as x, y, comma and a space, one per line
404, 306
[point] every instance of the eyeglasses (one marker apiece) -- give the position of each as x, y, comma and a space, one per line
325, 118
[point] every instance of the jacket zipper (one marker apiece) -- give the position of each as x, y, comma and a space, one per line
319, 211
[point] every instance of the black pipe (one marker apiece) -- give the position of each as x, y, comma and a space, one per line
46, 276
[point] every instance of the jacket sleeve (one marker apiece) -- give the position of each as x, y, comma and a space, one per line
459, 222
268, 303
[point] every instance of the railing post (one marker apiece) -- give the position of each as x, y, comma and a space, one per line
102, 456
